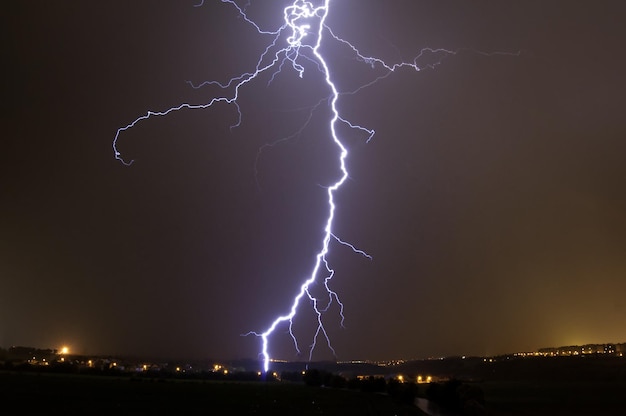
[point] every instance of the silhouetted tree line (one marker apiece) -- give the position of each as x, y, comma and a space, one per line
458, 397
401, 392
74, 368
404, 393
53, 367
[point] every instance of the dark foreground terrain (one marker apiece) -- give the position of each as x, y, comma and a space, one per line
24, 393
539, 386
504, 387
551, 398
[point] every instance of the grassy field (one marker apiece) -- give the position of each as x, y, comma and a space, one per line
555, 398
33, 393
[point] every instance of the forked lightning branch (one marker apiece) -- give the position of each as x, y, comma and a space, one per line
296, 42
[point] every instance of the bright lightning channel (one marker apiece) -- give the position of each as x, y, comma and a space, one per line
296, 42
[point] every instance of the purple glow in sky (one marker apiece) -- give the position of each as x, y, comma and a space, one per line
296, 45
490, 199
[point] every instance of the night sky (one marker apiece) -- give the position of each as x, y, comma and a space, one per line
492, 198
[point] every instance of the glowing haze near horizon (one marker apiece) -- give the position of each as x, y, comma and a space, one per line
490, 197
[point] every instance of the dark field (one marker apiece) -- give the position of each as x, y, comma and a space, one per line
555, 398
42, 393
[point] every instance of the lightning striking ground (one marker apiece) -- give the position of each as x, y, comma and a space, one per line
296, 43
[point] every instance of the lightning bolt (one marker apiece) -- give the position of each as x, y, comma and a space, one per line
296, 43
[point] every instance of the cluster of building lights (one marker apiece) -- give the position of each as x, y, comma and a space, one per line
615, 349
427, 379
